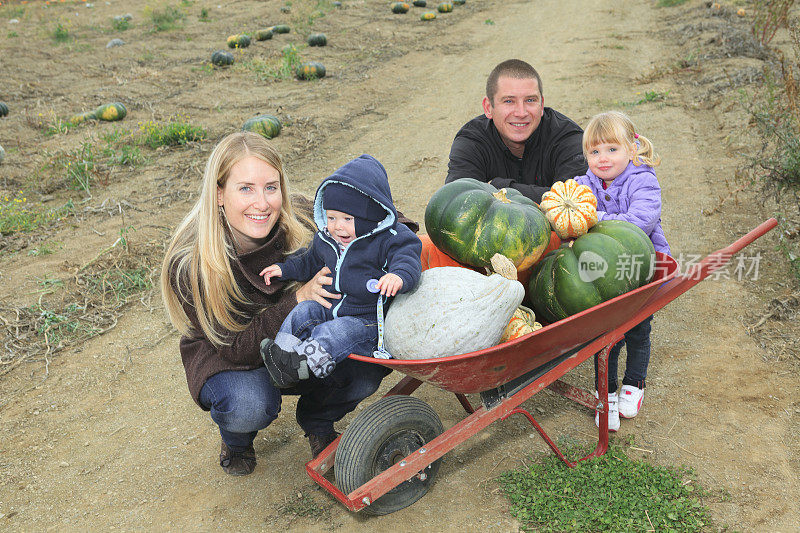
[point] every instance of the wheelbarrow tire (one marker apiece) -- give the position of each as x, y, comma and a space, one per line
380, 436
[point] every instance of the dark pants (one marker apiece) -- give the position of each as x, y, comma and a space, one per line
243, 402
637, 340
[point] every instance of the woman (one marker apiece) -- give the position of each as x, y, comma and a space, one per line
243, 220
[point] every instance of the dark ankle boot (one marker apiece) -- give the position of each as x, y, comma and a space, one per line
285, 368
320, 442
237, 463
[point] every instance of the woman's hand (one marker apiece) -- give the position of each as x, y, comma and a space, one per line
314, 289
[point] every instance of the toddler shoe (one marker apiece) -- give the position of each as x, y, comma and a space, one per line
613, 412
630, 401
285, 368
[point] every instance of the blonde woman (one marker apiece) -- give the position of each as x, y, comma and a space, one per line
216, 299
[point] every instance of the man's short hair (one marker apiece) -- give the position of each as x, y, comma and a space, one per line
512, 68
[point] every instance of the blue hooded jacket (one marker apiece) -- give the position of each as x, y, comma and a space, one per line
388, 247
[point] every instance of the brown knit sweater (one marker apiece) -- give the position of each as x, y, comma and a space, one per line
272, 304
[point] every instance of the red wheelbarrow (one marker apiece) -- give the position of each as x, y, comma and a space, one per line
389, 454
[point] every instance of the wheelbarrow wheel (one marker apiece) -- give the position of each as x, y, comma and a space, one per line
380, 436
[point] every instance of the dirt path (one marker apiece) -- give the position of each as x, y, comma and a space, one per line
111, 439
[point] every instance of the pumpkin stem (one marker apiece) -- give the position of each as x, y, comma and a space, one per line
504, 266
501, 195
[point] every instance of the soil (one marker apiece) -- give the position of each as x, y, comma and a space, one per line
103, 435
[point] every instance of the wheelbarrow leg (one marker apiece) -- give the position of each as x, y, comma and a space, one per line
602, 403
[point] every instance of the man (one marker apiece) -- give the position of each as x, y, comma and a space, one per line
517, 142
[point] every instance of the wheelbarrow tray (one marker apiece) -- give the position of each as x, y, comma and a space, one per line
475, 372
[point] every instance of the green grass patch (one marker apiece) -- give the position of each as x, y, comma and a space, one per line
17, 215
120, 23
166, 19
204, 15
610, 493
176, 131
12, 12
60, 33
669, 3
276, 68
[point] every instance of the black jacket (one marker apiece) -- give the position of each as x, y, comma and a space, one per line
552, 153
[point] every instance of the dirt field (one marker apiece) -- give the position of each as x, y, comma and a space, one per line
104, 435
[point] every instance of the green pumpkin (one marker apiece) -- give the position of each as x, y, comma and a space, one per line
420, 3
400, 7
241, 40
263, 34
310, 71
445, 7
222, 58
110, 112
429, 15
268, 126
317, 39
613, 258
280, 28
471, 221
2, 154
3, 109
336, 3
459, 2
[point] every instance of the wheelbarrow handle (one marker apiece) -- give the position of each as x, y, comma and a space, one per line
714, 261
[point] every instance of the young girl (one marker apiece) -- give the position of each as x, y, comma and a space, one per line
622, 178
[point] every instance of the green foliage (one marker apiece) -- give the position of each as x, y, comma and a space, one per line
121, 23
652, 96
60, 33
489, 22
12, 12
46, 249
166, 19
610, 493
204, 14
12, 34
283, 68
670, 3
176, 131
17, 215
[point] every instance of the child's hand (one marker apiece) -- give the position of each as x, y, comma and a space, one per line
389, 284
270, 272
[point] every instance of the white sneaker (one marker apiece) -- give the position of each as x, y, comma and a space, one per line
613, 412
630, 401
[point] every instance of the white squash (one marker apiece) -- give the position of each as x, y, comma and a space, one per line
451, 311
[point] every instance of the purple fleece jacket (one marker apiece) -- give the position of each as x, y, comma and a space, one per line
635, 197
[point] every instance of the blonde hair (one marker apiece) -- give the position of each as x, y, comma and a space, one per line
616, 127
197, 265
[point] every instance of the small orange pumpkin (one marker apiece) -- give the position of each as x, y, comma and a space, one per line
571, 208
433, 257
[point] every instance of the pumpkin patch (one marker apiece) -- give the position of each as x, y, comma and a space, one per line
445, 7
614, 257
240, 40
222, 58
429, 15
264, 34
110, 112
471, 221
317, 39
310, 70
400, 7
571, 208
420, 3
268, 126
280, 28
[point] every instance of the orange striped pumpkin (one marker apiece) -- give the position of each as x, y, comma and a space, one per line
522, 322
571, 208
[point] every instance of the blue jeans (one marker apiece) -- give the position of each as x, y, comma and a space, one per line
310, 326
244, 401
637, 340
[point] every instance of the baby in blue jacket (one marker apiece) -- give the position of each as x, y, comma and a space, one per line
371, 258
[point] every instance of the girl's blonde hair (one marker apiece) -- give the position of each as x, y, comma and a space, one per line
197, 265
616, 127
